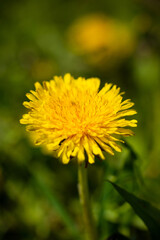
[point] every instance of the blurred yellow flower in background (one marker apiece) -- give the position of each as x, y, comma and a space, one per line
71, 116
100, 38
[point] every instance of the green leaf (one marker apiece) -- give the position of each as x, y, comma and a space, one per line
149, 214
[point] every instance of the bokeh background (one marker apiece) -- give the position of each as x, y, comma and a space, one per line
117, 41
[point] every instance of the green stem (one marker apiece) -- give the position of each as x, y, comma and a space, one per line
85, 202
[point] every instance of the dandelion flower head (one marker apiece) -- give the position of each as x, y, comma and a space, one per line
73, 118
98, 34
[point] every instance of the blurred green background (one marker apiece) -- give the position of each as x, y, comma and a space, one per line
117, 41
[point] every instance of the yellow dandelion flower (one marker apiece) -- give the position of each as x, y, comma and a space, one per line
72, 117
99, 38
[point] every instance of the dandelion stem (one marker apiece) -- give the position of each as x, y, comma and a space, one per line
85, 203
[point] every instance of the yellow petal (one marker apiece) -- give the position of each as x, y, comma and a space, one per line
65, 158
80, 154
95, 148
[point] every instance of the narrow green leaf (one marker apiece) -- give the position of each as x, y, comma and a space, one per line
149, 214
